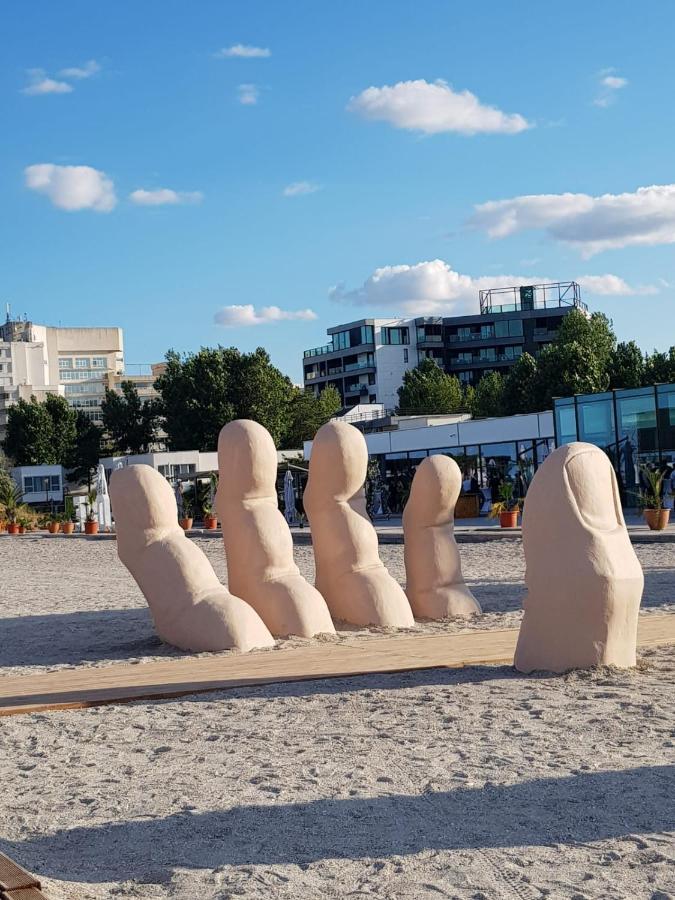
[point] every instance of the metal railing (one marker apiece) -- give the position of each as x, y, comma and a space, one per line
318, 351
531, 296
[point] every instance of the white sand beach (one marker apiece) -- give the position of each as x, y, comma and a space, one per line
473, 784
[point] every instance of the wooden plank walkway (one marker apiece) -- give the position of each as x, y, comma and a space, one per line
16, 883
92, 686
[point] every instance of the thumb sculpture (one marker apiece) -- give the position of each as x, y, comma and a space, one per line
349, 572
190, 607
435, 587
584, 581
258, 542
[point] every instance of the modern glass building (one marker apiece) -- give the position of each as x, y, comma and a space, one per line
635, 426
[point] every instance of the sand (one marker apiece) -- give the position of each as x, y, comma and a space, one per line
66, 603
477, 784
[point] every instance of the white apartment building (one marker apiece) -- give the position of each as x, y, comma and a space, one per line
76, 363
365, 360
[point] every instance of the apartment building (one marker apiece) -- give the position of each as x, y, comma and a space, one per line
75, 363
365, 360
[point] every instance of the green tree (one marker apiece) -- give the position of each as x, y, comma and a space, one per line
87, 449
626, 366
259, 391
131, 423
30, 438
488, 397
428, 390
593, 332
520, 387
63, 419
563, 370
308, 413
660, 367
203, 391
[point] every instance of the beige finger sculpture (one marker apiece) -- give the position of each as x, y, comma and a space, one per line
258, 542
349, 572
435, 587
191, 609
584, 582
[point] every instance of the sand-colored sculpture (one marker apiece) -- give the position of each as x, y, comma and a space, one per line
191, 609
258, 542
349, 572
435, 587
584, 581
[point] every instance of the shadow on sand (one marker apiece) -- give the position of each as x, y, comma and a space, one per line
546, 811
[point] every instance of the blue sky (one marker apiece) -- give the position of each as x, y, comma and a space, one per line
167, 166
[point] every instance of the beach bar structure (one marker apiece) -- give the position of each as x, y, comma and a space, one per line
635, 427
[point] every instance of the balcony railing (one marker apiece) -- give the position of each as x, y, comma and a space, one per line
319, 351
482, 360
352, 367
531, 296
357, 389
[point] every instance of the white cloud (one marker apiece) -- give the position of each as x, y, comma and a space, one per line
613, 286
248, 94
298, 188
433, 108
591, 224
242, 316
608, 85
244, 51
164, 197
40, 84
91, 67
72, 187
426, 288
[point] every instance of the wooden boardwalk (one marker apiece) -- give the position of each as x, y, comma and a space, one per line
92, 686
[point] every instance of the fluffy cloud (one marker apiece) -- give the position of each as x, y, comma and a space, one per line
613, 286
238, 316
591, 224
72, 187
298, 188
435, 288
426, 288
91, 67
248, 94
243, 51
433, 108
41, 84
164, 197
609, 84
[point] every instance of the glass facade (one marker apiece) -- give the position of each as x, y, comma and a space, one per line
634, 426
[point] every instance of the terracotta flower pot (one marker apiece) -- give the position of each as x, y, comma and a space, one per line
657, 519
509, 519
12, 528
53, 527
68, 527
210, 522
91, 527
186, 524
22, 529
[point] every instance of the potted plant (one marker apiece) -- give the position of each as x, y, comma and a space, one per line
53, 525
210, 521
68, 517
505, 509
10, 497
186, 521
91, 522
651, 501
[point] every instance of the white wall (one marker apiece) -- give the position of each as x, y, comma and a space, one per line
475, 431
20, 472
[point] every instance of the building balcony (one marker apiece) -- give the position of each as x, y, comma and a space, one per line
319, 351
353, 367
359, 389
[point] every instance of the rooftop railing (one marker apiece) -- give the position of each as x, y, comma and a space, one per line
319, 351
531, 296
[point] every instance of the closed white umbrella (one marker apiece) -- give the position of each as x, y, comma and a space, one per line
289, 498
178, 491
102, 500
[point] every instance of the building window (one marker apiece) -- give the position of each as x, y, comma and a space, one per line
82, 362
28, 484
98, 362
405, 356
395, 336
65, 363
